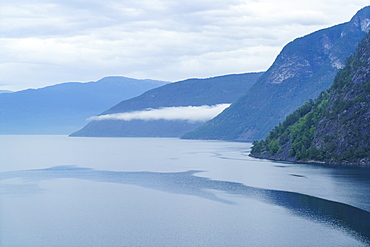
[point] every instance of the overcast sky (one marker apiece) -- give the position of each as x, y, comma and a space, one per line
46, 42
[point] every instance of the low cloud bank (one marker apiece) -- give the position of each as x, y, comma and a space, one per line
188, 113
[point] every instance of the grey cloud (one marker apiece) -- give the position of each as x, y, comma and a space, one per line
84, 40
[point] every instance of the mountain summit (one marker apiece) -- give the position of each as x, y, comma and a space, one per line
304, 68
333, 129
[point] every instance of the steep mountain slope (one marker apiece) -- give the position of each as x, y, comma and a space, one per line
191, 92
303, 69
62, 108
333, 129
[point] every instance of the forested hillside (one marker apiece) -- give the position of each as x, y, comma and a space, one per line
335, 128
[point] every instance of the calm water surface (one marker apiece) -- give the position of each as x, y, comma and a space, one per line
61, 191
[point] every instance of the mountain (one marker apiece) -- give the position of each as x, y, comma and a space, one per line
63, 108
335, 128
304, 68
171, 99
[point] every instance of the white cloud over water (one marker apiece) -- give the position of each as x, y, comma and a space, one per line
187, 113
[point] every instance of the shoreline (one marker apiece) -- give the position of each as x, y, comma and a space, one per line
313, 162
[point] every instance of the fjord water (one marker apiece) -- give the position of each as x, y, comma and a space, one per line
61, 191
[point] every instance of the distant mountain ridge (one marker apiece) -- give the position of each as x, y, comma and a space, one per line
190, 92
304, 68
63, 108
5, 91
333, 129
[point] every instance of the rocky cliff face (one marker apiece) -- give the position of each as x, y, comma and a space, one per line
303, 69
345, 130
334, 129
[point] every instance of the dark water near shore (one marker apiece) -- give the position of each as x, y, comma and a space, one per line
60, 191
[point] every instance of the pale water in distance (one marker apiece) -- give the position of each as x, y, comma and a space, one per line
60, 191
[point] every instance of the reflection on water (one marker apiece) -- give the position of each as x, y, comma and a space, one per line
345, 217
